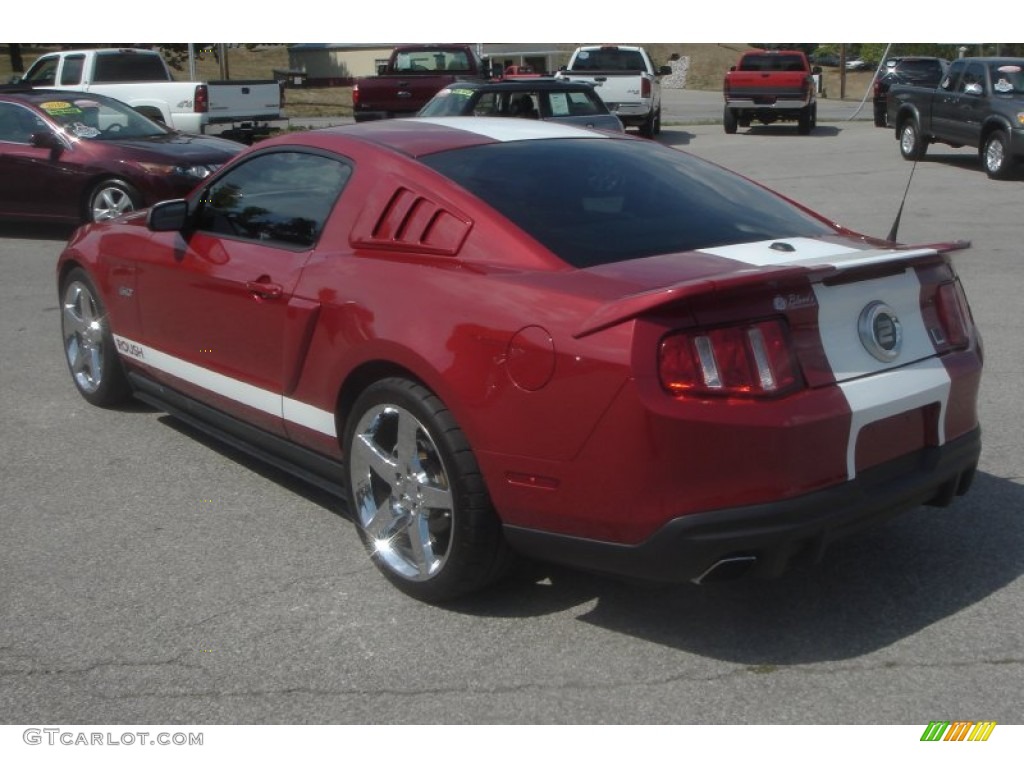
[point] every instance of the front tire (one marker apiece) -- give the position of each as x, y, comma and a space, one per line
110, 199
417, 496
912, 144
89, 344
995, 156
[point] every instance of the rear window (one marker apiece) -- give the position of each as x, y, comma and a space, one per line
598, 201
128, 68
441, 60
771, 63
609, 60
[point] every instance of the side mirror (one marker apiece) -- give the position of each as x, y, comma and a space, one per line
46, 140
14, 79
816, 71
664, 70
167, 216
732, 68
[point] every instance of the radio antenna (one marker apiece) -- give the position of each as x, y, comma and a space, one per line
896, 224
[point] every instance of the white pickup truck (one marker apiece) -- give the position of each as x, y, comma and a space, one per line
240, 109
626, 80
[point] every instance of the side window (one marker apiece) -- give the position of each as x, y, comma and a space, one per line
949, 82
72, 72
486, 105
17, 124
280, 198
43, 72
973, 81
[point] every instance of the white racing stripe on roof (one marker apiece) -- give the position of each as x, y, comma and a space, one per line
511, 128
293, 411
808, 252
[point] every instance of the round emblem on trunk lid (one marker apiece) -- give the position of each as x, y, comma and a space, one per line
880, 331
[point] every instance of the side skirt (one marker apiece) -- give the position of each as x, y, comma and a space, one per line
306, 465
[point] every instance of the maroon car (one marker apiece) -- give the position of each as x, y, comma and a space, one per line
497, 336
71, 157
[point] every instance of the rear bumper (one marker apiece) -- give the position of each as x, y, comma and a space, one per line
765, 539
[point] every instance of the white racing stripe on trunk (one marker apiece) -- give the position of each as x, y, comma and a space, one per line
893, 392
874, 389
808, 252
839, 309
293, 411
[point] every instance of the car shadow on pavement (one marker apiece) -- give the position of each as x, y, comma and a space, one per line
36, 231
870, 591
789, 129
676, 137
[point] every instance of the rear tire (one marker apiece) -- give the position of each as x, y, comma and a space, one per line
881, 119
729, 121
417, 495
651, 126
805, 122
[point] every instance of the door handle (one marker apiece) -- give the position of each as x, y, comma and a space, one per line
264, 289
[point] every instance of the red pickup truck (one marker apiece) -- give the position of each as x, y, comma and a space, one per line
769, 86
413, 74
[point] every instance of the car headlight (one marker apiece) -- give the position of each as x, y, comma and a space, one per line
190, 171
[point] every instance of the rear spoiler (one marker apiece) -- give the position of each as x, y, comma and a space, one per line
816, 268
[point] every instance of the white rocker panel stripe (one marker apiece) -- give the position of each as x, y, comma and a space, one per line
293, 411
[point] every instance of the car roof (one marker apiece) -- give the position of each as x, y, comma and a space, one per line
420, 136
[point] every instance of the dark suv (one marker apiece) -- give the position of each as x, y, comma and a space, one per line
926, 71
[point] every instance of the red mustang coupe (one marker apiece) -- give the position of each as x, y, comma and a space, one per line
497, 336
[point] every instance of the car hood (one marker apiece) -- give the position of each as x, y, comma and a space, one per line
173, 147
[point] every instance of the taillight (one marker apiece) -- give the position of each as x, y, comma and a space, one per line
201, 102
750, 360
355, 95
645, 88
951, 306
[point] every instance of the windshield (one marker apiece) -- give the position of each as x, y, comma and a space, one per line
449, 102
1007, 78
89, 117
598, 201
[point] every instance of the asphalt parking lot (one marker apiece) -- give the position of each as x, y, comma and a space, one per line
151, 576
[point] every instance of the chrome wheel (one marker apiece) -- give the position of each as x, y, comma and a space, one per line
995, 157
912, 146
402, 493
88, 343
417, 495
109, 201
83, 327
